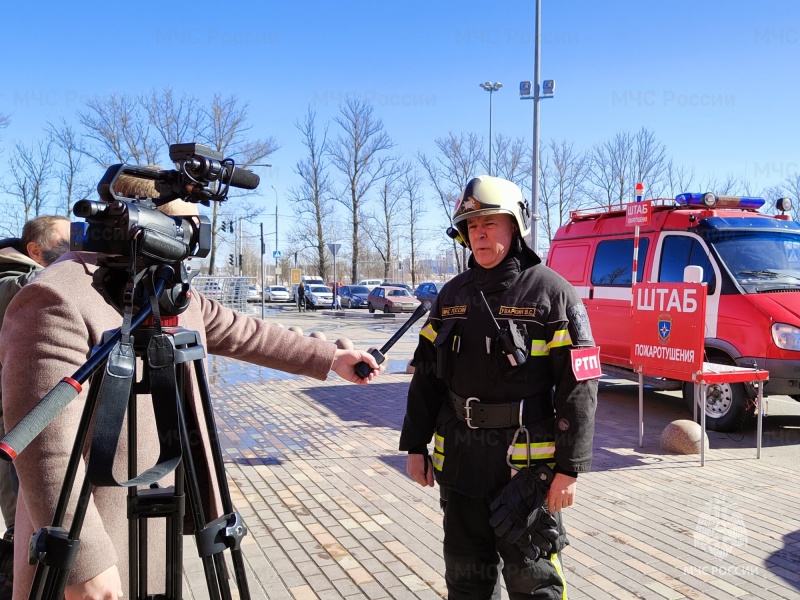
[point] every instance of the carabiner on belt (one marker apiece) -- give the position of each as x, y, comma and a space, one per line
521, 430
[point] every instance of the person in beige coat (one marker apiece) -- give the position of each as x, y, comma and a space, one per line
50, 328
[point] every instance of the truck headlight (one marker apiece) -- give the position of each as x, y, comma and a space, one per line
786, 336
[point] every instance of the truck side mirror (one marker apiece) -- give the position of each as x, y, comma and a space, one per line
693, 274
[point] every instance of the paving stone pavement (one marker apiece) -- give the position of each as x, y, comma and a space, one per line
314, 471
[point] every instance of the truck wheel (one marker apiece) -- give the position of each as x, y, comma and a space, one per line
726, 405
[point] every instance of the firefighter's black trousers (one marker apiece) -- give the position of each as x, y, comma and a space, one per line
472, 552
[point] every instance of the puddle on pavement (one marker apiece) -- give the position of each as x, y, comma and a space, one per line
223, 371
226, 371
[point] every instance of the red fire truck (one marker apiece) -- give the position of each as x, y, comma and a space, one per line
751, 265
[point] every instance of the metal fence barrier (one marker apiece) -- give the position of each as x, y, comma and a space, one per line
228, 291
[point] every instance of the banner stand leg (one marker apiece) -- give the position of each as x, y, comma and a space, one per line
702, 425
641, 409
759, 408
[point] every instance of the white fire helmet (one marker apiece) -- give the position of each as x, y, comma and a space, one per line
486, 195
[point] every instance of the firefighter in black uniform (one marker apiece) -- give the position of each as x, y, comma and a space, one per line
501, 383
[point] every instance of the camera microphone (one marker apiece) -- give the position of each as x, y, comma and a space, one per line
244, 179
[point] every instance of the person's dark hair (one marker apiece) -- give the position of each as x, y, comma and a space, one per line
41, 230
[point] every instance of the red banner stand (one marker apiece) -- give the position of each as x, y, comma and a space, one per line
668, 341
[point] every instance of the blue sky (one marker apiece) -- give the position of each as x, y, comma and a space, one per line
716, 81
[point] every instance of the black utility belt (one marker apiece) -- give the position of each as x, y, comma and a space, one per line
481, 415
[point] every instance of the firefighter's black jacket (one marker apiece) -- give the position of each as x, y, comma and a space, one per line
458, 351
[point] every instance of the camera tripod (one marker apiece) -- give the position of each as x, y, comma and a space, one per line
166, 353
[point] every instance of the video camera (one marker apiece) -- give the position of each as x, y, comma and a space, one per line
127, 230
112, 225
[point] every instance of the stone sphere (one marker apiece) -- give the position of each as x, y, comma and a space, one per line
682, 437
296, 329
318, 334
344, 344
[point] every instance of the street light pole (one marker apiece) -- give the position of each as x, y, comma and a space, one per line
491, 88
535, 161
276, 233
262, 270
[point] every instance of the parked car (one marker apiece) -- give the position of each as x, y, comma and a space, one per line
278, 293
319, 295
391, 299
370, 284
253, 295
428, 291
353, 296
405, 286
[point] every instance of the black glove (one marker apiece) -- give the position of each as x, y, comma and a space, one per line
520, 516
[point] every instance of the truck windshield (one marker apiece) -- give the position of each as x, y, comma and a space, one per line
761, 261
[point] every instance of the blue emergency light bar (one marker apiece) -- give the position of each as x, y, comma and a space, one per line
711, 200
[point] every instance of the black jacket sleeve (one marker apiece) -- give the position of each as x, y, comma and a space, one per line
575, 401
425, 394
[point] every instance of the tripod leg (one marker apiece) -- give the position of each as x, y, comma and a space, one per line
216, 582
48, 580
54, 582
219, 471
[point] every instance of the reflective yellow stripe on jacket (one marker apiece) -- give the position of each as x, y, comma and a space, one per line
542, 347
560, 338
540, 452
438, 452
539, 348
428, 333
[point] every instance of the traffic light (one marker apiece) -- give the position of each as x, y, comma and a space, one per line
230, 260
230, 224
400, 265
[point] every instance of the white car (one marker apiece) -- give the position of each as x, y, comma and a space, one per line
370, 284
319, 295
278, 293
253, 295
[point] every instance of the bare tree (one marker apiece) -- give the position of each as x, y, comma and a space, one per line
358, 154
4, 121
677, 180
390, 195
311, 199
31, 169
648, 162
226, 131
411, 184
608, 169
616, 165
511, 159
176, 120
120, 131
68, 163
727, 186
449, 171
562, 174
